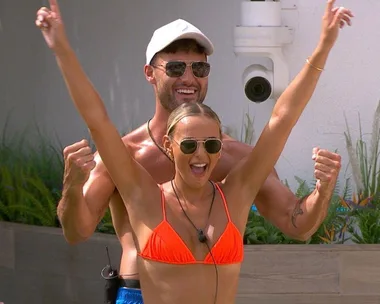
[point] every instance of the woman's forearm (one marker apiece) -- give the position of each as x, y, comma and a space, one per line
301, 89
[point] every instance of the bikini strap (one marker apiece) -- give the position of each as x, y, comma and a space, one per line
224, 201
163, 203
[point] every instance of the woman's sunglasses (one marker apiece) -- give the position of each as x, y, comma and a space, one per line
211, 145
200, 69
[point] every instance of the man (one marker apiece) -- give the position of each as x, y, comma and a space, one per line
176, 66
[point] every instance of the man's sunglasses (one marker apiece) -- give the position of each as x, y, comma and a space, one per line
211, 145
200, 69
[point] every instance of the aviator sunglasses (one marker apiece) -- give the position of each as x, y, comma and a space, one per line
200, 69
211, 145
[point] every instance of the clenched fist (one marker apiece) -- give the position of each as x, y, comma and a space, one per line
79, 161
326, 169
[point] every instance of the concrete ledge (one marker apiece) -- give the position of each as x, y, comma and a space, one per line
37, 266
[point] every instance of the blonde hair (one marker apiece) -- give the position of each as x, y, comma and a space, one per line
190, 109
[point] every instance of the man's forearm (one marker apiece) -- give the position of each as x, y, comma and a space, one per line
309, 213
74, 215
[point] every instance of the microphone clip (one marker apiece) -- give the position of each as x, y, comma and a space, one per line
201, 236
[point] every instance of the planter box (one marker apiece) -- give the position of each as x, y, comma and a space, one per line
38, 261
309, 274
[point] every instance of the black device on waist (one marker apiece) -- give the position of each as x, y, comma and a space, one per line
112, 285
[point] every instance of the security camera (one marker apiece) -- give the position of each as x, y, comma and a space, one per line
258, 83
266, 74
262, 37
261, 82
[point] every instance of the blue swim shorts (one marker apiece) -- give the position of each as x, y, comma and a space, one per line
129, 296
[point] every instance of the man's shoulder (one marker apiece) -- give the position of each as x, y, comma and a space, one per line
136, 136
235, 147
139, 144
133, 140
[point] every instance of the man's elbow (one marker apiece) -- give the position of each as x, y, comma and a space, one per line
75, 238
304, 235
301, 237
74, 235
301, 234
298, 233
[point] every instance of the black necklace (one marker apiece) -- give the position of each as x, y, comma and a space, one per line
156, 144
201, 234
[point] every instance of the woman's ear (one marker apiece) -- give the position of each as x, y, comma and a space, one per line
149, 74
167, 144
221, 150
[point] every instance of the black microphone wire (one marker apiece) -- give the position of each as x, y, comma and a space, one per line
202, 237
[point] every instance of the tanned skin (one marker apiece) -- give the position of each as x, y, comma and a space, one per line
88, 189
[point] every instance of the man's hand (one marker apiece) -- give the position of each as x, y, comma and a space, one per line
334, 19
326, 170
79, 161
51, 25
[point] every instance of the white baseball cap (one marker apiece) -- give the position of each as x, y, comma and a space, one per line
175, 30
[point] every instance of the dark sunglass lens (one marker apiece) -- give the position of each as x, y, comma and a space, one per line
213, 146
201, 69
175, 68
188, 146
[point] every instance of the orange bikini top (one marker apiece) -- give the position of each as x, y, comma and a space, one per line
166, 246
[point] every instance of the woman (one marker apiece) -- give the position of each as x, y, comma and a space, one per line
189, 230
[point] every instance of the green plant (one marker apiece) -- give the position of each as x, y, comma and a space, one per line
31, 172
247, 131
30, 179
367, 226
365, 219
260, 231
106, 225
363, 159
364, 206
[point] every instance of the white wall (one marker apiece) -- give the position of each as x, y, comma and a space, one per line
110, 38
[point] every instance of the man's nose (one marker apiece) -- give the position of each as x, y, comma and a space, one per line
187, 76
